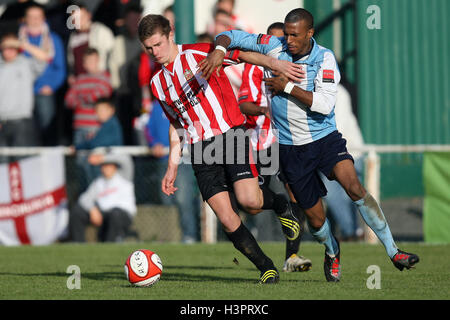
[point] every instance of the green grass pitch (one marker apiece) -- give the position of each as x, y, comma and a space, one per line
207, 272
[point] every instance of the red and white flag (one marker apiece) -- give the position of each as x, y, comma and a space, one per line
33, 200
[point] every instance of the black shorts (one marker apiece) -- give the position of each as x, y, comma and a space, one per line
220, 161
300, 166
268, 161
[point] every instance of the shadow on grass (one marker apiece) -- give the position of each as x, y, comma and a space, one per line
170, 274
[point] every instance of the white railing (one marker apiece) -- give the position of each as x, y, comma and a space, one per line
209, 222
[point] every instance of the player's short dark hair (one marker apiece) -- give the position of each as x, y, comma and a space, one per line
106, 101
300, 14
275, 25
90, 51
151, 24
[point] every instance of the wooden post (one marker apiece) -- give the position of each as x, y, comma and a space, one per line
209, 224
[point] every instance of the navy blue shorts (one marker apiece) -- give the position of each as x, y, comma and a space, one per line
300, 166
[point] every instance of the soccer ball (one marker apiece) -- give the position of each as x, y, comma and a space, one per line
143, 268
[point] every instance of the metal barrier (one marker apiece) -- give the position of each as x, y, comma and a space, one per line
154, 220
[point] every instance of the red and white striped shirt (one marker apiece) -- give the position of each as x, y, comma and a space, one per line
253, 90
204, 108
83, 94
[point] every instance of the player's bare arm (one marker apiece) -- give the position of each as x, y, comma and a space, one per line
175, 151
214, 61
280, 83
292, 71
252, 109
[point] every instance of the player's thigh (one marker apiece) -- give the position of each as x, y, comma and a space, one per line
248, 193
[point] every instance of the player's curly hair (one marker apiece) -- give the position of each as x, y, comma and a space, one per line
151, 24
300, 14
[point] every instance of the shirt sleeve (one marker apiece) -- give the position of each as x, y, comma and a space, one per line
88, 198
325, 83
262, 43
250, 90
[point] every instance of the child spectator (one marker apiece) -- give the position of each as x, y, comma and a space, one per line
83, 94
110, 132
109, 203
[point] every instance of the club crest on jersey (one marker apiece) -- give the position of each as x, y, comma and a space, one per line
188, 75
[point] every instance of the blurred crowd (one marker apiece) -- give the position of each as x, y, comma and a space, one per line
74, 73
75, 57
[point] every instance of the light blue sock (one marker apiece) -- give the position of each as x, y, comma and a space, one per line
324, 236
374, 217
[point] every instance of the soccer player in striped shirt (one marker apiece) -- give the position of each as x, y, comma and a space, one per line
254, 104
309, 141
213, 125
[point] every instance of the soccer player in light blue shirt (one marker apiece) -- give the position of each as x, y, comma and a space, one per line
303, 114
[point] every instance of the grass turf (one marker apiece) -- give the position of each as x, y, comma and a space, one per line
207, 272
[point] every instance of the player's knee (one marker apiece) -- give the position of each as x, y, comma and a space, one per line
230, 222
316, 221
355, 189
251, 205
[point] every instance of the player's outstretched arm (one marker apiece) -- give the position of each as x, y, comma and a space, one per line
292, 71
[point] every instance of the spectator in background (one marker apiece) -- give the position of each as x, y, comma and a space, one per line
81, 97
205, 38
90, 34
147, 69
224, 18
109, 203
124, 68
340, 207
238, 22
36, 31
187, 198
110, 131
17, 76
84, 92
169, 14
109, 134
125, 161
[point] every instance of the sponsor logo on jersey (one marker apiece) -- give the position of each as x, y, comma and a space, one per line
328, 76
263, 38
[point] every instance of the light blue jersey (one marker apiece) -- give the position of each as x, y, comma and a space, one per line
296, 123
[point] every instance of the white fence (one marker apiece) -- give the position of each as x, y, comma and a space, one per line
209, 222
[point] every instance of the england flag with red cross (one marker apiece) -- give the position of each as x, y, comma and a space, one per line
33, 200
